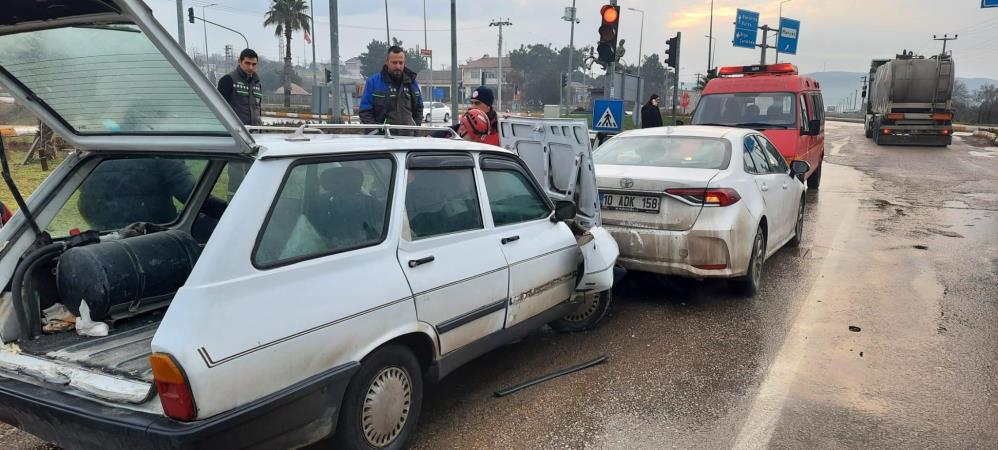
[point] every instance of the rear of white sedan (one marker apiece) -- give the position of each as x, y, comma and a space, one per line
683, 201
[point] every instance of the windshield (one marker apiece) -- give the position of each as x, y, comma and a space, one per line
750, 109
665, 151
106, 80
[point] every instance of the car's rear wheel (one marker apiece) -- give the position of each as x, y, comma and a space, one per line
748, 285
429, 118
590, 311
446, 118
382, 402
799, 225
814, 181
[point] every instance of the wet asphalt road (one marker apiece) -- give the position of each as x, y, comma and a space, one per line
900, 242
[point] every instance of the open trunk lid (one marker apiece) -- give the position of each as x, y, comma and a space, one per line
106, 77
558, 154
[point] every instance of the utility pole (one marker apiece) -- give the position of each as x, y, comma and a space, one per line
180, 25
571, 17
641, 41
315, 64
710, 39
500, 24
388, 32
453, 61
334, 61
765, 42
207, 60
945, 39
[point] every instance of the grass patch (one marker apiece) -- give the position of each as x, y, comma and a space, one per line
27, 177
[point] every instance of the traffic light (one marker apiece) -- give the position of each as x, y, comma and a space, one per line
672, 51
190, 15
564, 79
607, 47
329, 76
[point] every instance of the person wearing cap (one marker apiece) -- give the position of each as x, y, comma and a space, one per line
650, 115
482, 99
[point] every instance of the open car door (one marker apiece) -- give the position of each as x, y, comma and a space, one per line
106, 76
559, 155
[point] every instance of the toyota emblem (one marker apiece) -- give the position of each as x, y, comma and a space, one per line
626, 183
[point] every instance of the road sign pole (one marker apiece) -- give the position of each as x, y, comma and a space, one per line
765, 35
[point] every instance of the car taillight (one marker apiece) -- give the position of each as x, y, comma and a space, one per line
708, 197
171, 383
887, 131
945, 131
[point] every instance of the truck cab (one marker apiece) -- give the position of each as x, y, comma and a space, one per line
773, 99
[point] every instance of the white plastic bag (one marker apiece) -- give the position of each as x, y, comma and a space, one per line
87, 327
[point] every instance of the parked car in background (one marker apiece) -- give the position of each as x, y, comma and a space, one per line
437, 113
311, 295
700, 202
773, 99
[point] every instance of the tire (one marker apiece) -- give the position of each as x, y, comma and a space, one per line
396, 371
592, 309
429, 118
748, 285
814, 181
876, 133
869, 132
798, 226
446, 118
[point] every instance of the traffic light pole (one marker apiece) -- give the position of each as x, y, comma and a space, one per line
675, 88
180, 25
334, 62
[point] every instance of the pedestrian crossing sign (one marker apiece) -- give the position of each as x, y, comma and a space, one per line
608, 115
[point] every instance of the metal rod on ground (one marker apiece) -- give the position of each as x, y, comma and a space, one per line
512, 389
453, 62
334, 62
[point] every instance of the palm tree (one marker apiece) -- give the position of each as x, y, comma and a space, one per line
287, 16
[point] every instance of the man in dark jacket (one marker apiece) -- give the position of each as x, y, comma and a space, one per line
392, 96
122, 191
650, 115
241, 88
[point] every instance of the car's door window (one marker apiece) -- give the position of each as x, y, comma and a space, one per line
122, 191
512, 197
754, 151
776, 162
326, 207
804, 112
441, 201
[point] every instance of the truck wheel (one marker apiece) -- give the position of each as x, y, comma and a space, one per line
814, 181
748, 285
591, 310
868, 131
877, 134
382, 402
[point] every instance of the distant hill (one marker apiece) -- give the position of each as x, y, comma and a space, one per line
836, 86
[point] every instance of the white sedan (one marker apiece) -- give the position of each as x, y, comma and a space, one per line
699, 201
436, 113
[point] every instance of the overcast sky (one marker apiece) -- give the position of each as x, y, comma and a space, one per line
835, 34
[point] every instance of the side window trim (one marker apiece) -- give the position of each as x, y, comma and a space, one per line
389, 204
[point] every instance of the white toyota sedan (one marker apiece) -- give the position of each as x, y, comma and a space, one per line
699, 201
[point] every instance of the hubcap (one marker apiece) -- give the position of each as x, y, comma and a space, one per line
757, 259
386, 406
587, 307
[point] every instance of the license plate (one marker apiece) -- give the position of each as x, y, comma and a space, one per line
637, 203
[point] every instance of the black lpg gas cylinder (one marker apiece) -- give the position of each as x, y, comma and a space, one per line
114, 275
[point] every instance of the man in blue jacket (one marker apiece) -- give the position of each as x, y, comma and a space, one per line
392, 96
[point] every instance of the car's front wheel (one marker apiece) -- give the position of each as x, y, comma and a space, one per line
446, 118
590, 311
429, 118
814, 181
749, 284
381, 405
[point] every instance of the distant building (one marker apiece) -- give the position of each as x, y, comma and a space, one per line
487, 67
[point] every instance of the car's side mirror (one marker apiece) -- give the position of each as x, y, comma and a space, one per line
799, 167
563, 210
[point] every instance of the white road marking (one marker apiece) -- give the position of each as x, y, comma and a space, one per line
767, 406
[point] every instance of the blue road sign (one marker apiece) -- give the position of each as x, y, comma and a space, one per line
989, 3
608, 115
746, 28
787, 42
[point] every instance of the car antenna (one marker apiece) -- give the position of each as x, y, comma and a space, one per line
7, 178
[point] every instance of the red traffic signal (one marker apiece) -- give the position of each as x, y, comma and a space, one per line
610, 14
607, 46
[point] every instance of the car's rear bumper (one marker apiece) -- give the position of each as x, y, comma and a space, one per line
298, 415
710, 243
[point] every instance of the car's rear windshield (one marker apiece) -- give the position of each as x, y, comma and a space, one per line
665, 151
108, 79
758, 110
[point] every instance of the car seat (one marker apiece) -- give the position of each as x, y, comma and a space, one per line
352, 217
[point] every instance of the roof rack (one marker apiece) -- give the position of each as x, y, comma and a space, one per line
259, 129
385, 129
